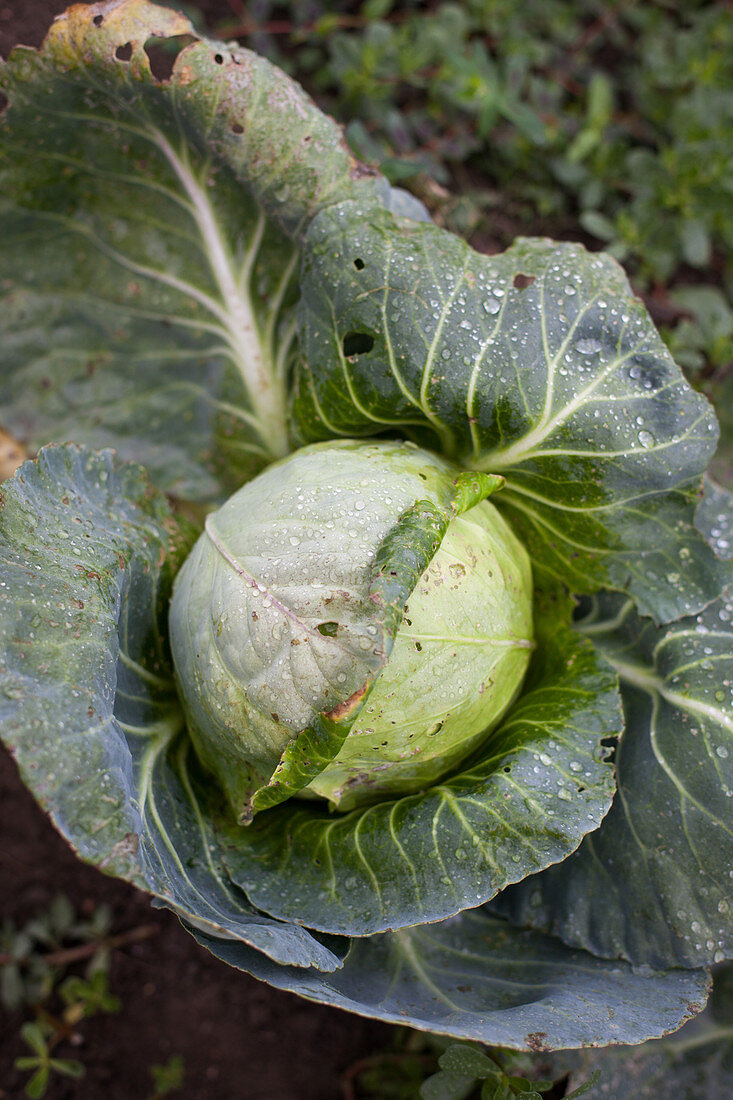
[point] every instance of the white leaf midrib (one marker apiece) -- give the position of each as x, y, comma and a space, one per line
237, 316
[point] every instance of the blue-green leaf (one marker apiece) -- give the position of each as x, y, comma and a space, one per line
87, 701
538, 364
653, 884
146, 274
696, 1063
475, 977
714, 518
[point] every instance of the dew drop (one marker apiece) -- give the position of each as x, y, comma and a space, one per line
646, 439
587, 347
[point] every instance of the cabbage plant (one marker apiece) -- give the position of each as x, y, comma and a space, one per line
363, 602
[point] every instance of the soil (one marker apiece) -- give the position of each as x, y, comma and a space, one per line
238, 1037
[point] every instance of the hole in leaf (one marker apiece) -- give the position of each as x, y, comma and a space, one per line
507, 767
98, 20
359, 264
237, 128
521, 282
611, 744
357, 343
436, 729
418, 647
124, 53
580, 790
329, 630
163, 53
218, 59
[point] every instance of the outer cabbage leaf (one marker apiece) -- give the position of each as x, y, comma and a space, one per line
475, 977
524, 801
653, 884
695, 1062
538, 364
714, 518
87, 701
146, 275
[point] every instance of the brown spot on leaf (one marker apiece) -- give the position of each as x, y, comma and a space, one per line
360, 171
345, 709
522, 281
536, 1040
122, 850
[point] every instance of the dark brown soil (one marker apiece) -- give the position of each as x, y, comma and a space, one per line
238, 1038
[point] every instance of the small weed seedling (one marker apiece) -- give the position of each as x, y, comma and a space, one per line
464, 1069
34, 962
168, 1077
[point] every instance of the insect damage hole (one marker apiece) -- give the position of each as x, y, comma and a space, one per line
359, 264
124, 53
328, 630
98, 20
522, 281
237, 128
163, 54
357, 343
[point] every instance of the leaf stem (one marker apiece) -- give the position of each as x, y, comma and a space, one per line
67, 955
